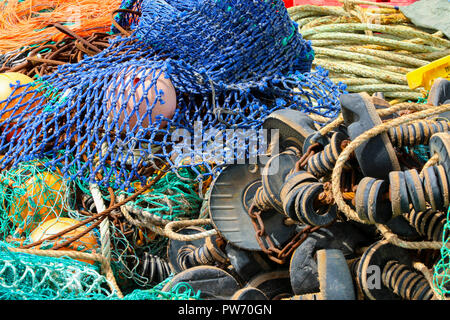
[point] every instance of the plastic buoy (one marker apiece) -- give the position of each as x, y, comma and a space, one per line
51, 227
133, 94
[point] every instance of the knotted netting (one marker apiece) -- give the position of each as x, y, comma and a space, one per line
223, 64
30, 277
441, 276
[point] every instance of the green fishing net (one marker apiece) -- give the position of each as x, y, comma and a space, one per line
35, 202
180, 291
30, 195
30, 277
441, 277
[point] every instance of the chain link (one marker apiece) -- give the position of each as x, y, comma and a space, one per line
276, 254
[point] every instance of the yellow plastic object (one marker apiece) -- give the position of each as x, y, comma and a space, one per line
424, 76
10, 78
43, 198
54, 226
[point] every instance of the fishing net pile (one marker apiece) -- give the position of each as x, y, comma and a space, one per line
119, 118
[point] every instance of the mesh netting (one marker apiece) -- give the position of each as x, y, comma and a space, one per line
180, 291
30, 195
224, 64
441, 277
30, 277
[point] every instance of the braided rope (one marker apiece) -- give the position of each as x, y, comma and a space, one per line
384, 127
170, 233
419, 266
414, 245
431, 162
104, 225
381, 112
124, 209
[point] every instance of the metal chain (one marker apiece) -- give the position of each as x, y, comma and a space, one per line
276, 254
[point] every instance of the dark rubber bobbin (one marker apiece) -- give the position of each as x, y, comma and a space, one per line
379, 210
294, 179
289, 202
406, 283
323, 162
306, 211
273, 177
314, 138
376, 156
153, 267
272, 284
440, 144
439, 92
370, 269
428, 223
174, 246
213, 283
415, 189
294, 127
432, 190
361, 196
444, 184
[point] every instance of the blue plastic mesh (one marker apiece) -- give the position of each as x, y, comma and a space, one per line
231, 64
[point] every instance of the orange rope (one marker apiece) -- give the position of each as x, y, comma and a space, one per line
22, 24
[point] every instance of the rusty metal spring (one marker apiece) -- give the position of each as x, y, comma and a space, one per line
407, 284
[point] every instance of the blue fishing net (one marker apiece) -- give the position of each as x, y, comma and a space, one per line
227, 63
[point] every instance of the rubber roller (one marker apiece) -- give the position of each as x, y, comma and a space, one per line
208, 254
406, 283
323, 162
154, 268
417, 133
334, 278
385, 273
429, 223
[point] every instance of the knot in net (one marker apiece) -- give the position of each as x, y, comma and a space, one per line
30, 277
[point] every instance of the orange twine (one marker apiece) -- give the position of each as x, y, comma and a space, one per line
30, 22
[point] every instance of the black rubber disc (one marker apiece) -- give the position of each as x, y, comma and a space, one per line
228, 211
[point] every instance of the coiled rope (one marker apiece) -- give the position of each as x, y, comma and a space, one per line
369, 49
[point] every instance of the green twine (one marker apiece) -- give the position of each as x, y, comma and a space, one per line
29, 277
181, 291
441, 276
